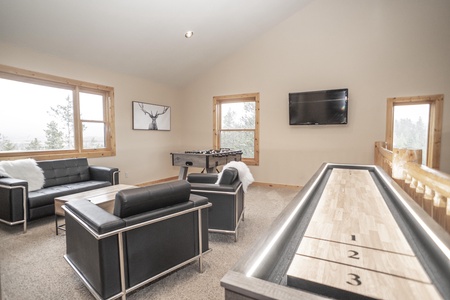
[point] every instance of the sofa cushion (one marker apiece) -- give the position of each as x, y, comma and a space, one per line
135, 201
46, 196
64, 171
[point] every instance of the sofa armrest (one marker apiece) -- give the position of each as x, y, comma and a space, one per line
202, 178
12, 202
104, 174
198, 200
216, 188
13, 182
93, 216
94, 256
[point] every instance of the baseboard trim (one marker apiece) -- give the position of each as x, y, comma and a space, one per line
277, 185
265, 184
157, 181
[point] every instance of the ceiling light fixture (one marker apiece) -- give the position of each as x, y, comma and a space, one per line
188, 34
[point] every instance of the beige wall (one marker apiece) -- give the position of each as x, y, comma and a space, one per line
378, 49
143, 155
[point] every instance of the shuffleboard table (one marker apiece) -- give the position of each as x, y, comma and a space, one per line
350, 233
209, 160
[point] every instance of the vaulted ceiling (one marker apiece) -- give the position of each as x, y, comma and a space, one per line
142, 37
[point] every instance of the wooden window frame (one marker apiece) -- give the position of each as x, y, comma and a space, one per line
217, 101
436, 103
76, 86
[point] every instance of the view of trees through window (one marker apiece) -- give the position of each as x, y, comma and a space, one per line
40, 117
238, 124
411, 127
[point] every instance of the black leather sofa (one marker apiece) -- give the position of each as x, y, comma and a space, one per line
226, 197
62, 177
154, 230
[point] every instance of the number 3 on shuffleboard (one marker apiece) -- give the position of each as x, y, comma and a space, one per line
354, 279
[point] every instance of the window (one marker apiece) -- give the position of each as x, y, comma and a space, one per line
236, 125
416, 123
411, 127
44, 116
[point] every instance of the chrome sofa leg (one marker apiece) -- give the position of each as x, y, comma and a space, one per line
200, 244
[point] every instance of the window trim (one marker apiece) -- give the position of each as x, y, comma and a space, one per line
436, 103
13, 73
250, 97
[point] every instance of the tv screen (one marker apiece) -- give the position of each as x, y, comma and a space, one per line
318, 107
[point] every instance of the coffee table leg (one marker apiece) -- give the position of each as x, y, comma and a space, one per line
56, 223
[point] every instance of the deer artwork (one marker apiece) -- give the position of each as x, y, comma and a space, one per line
153, 125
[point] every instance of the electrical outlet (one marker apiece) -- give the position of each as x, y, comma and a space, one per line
126, 174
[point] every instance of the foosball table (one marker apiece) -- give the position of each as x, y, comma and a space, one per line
209, 160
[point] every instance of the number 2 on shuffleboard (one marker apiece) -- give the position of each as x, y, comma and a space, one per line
354, 279
353, 254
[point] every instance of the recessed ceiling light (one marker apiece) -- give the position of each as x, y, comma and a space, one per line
188, 34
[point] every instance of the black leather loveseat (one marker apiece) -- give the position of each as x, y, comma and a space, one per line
62, 177
153, 231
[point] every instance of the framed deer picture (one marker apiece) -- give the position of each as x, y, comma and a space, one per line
147, 116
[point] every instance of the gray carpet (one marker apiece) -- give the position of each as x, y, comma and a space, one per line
32, 264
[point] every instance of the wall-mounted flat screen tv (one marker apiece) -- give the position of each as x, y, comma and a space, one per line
318, 107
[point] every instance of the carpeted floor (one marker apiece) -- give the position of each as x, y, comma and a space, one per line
32, 264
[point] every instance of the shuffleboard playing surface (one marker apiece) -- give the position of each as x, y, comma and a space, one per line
354, 247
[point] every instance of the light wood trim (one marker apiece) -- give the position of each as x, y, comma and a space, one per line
435, 124
111, 129
383, 157
157, 181
21, 73
78, 128
435, 133
262, 184
390, 124
249, 97
383, 151
257, 124
27, 76
429, 187
277, 185
434, 179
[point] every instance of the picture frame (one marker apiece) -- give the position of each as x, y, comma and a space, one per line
148, 116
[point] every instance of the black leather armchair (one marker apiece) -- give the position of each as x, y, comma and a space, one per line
226, 197
154, 230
